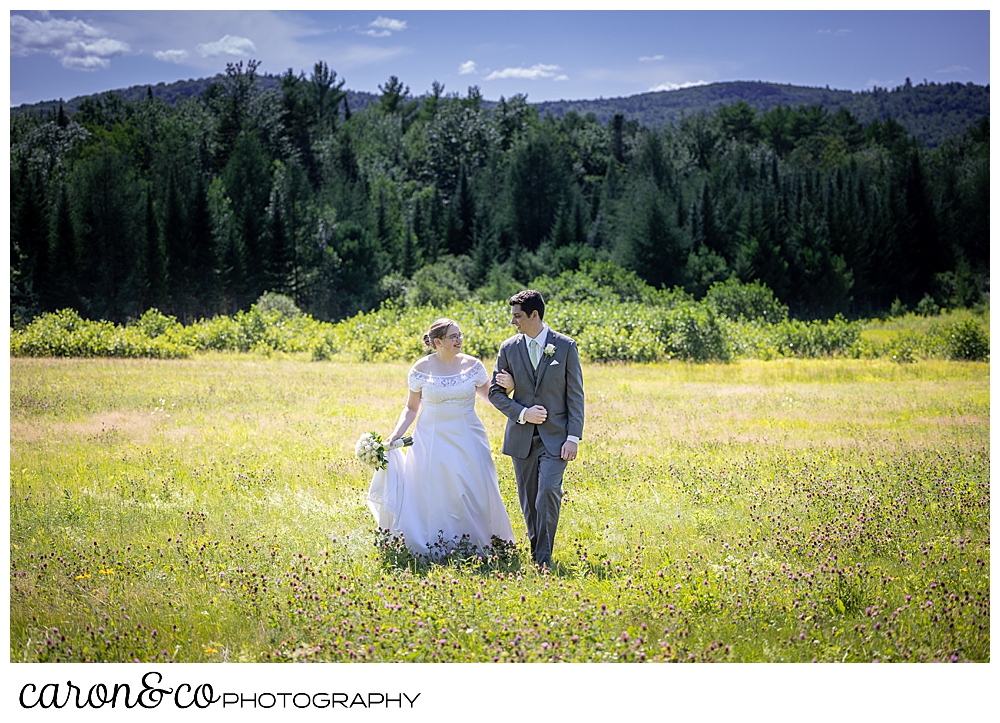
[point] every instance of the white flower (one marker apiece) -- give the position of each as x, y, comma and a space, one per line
550, 349
368, 451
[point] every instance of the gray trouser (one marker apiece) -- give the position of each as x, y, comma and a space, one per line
539, 489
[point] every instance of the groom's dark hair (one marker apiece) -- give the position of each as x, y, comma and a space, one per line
529, 300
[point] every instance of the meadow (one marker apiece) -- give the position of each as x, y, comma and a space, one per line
210, 509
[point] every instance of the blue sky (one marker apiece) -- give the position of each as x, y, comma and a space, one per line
549, 55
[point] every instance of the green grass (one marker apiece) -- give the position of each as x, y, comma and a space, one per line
889, 328
209, 509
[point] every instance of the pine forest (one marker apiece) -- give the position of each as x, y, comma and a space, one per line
199, 207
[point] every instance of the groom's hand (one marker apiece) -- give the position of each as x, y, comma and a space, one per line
536, 414
568, 452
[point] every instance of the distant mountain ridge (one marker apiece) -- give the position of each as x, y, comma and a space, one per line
930, 111
172, 93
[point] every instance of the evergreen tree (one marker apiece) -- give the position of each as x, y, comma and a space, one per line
109, 209
650, 160
279, 257
776, 129
739, 122
536, 186
617, 138
155, 265
485, 252
61, 289
409, 256
708, 231
231, 105
325, 95
177, 248
431, 101
759, 257
254, 190
204, 262
395, 99
29, 238
434, 232
921, 250
247, 181
461, 217
654, 243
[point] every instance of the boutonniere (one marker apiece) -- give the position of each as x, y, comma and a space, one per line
549, 350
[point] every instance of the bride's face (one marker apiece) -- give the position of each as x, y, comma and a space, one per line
452, 341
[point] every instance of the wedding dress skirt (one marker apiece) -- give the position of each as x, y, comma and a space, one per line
444, 487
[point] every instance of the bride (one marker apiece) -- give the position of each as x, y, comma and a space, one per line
444, 487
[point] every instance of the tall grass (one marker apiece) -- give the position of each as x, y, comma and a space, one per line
209, 509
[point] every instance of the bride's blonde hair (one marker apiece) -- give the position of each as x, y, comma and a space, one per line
438, 330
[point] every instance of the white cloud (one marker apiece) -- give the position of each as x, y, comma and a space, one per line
78, 45
468, 67
839, 31
388, 24
226, 45
649, 58
88, 62
281, 39
676, 86
954, 69
102, 47
171, 56
540, 70
47, 36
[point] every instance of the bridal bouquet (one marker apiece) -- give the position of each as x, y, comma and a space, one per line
370, 449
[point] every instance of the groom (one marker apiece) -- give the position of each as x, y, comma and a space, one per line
544, 417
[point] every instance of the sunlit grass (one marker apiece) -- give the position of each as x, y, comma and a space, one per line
884, 330
209, 509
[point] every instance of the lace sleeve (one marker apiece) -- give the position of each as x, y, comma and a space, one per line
480, 375
415, 380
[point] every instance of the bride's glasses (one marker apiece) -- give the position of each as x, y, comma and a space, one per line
455, 337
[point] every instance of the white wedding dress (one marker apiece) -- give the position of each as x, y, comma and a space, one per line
444, 487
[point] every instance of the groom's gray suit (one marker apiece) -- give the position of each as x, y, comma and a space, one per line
535, 449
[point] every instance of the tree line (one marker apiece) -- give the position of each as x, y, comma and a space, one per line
199, 207
930, 111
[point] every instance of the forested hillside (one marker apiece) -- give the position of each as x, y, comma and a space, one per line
170, 93
201, 205
931, 112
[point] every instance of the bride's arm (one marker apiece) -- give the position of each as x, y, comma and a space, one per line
406, 418
483, 390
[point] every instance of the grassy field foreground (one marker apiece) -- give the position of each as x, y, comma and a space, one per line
211, 510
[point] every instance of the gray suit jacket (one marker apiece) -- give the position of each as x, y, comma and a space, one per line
557, 385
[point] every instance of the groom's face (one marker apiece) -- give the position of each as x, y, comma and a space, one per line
525, 324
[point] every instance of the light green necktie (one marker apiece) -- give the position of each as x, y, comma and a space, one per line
533, 353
